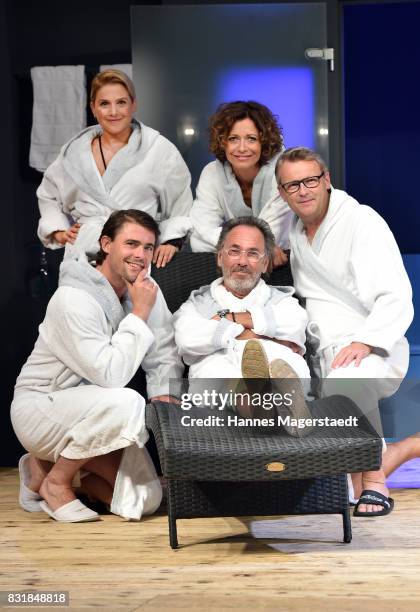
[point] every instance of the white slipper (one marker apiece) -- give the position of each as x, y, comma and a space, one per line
73, 512
28, 499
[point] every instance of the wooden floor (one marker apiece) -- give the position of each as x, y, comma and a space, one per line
286, 563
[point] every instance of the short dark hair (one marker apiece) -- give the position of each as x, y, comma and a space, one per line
228, 113
260, 224
115, 222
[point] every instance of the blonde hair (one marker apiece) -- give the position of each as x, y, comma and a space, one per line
109, 76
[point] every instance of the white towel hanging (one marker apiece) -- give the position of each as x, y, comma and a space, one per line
59, 110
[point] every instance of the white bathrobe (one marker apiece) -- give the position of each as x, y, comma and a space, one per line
210, 346
219, 198
147, 174
70, 398
356, 290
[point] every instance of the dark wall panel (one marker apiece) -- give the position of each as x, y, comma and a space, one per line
382, 120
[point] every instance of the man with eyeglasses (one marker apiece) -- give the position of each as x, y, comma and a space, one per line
239, 326
347, 267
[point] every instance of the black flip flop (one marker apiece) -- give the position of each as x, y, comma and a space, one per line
375, 499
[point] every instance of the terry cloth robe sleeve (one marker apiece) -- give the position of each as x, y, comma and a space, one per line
50, 202
282, 318
382, 283
80, 339
207, 213
161, 363
195, 335
175, 197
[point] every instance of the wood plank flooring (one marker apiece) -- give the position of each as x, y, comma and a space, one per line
285, 563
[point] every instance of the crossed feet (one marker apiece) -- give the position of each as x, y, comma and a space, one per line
257, 370
48, 487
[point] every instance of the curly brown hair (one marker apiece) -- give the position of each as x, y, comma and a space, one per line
228, 113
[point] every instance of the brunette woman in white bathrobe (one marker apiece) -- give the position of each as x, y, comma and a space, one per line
115, 165
246, 141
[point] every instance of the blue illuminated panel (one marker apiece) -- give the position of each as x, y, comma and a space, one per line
189, 59
288, 92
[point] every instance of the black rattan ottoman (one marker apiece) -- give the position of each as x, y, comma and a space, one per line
249, 471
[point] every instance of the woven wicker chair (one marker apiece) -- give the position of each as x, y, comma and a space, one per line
237, 471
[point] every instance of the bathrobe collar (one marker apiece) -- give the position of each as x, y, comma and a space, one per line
341, 206
79, 274
79, 164
262, 188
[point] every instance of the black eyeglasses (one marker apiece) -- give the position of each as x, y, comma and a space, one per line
310, 182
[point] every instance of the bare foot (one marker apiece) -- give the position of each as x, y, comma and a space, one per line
399, 452
56, 494
39, 470
374, 481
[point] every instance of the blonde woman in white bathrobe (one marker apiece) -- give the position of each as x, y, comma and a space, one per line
117, 164
348, 268
246, 141
71, 410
